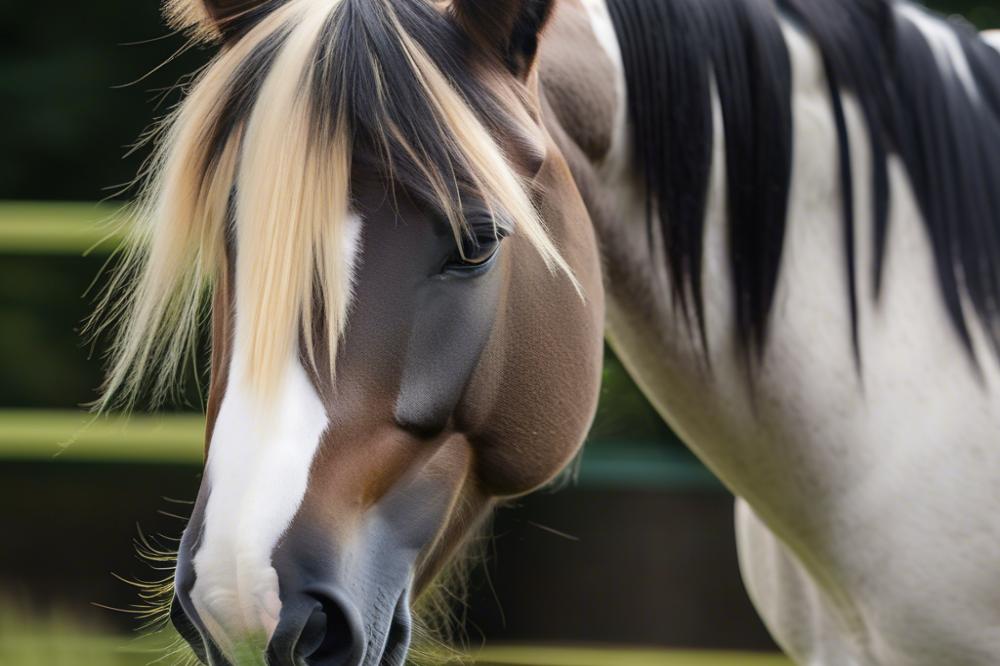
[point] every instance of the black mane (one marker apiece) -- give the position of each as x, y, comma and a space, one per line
359, 67
948, 140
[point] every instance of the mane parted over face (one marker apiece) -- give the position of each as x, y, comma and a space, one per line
265, 142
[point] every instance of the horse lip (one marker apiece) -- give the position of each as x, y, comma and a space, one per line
397, 644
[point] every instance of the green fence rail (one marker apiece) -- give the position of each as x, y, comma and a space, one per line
61, 229
70, 436
48, 228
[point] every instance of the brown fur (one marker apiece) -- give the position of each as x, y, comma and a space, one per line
577, 89
527, 404
208, 20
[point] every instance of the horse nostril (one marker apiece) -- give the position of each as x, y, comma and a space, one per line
331, 636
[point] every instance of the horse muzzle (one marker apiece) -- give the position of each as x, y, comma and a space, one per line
324, 628
318, 629
339, 606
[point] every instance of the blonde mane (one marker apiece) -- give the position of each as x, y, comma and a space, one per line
260, 152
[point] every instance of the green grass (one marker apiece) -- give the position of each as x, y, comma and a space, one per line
84, 650
61, 639
47, 228
79, 648
568, 656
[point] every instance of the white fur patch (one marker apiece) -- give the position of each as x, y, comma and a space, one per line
944, 43
867, 541
257, 474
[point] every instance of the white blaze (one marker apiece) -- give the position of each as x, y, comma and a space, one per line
257, 473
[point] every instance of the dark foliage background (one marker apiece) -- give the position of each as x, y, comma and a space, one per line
81, 80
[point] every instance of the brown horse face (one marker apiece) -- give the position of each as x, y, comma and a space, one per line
466, 371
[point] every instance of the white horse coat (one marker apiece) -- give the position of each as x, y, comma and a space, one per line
867, 519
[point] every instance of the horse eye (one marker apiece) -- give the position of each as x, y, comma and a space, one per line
478, 252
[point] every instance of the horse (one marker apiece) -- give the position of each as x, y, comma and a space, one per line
415, 222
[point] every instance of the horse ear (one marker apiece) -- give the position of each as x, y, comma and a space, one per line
213, 20
511, 28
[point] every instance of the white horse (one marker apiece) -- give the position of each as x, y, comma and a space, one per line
868, 518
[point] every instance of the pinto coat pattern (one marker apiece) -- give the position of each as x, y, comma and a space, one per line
417, 220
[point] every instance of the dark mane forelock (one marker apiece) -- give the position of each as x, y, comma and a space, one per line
363, 77
947, 138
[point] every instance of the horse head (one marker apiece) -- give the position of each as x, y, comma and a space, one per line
407, 309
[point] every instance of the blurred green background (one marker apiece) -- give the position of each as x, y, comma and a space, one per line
79, 82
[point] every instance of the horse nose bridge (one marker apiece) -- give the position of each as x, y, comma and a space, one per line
253, 549
291, 603
227, 591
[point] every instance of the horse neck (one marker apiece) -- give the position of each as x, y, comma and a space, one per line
809, 368
584, 102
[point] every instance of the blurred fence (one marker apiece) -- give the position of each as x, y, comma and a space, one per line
74, 487
64, 246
